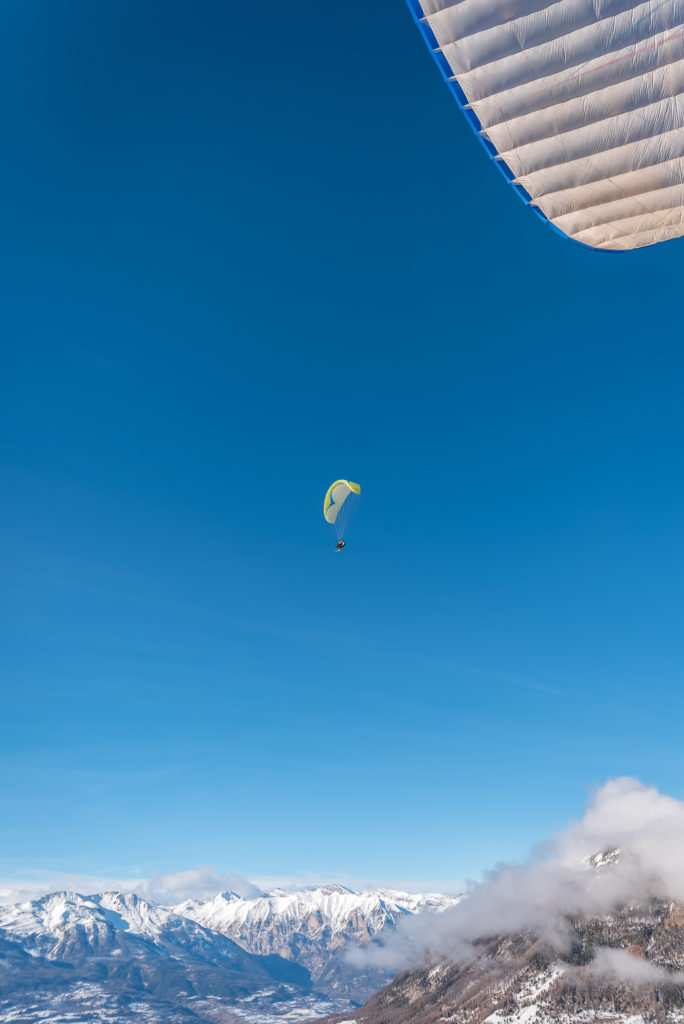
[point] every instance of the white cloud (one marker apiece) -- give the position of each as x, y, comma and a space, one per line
557, 881
197, 883
200, 883
18, 890
619, 965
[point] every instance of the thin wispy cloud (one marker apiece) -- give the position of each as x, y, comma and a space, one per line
620, 965
514, 679
200, 883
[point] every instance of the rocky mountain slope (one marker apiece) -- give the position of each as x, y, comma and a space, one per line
619, 968
316, 928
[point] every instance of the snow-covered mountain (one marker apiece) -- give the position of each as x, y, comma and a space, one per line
316, 928
64, 925
97, 956
114, 957
623, 968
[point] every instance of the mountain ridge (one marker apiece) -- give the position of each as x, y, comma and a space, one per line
318, 927
621, 967
96, 956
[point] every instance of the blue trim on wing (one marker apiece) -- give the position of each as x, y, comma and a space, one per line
442, 63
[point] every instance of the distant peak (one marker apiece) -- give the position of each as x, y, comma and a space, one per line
129, 899
604, 857
70, 895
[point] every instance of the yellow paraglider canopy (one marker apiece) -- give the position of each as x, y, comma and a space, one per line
335, 497
338, 505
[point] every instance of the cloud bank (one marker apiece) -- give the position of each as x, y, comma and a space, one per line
200, 883
559, 881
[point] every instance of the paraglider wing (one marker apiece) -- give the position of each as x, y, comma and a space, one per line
337, 503
581, 105
336, 496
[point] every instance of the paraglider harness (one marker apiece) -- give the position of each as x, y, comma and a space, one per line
340, 544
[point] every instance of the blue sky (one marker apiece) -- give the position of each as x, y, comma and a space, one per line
245, 253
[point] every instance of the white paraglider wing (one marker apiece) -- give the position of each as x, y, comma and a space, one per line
338, 503
579, 102
338, 494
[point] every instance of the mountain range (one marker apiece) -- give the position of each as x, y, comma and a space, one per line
115, 957
289, 957
316, 928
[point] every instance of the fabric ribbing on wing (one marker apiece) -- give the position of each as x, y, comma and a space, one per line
584, 101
